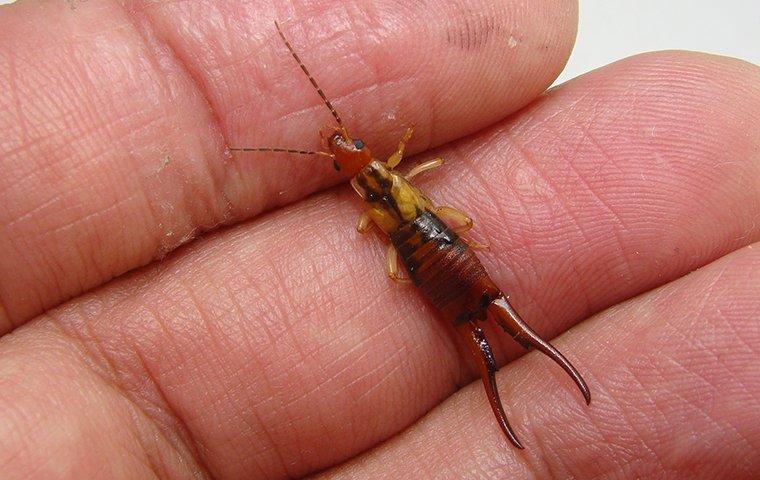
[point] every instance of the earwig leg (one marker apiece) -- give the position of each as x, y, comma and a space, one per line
458, 220
393, 266
364, 224
395, 159
510, 321
462, 223
424, 167
481, 351
474, 245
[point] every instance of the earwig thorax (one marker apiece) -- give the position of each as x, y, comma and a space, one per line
391, 200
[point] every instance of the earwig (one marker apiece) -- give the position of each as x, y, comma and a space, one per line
439, 262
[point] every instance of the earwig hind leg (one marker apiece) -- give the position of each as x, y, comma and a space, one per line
364, 224
510, 321
424, 167
481, 351
392, 266
475, 245
461, 223
398, 155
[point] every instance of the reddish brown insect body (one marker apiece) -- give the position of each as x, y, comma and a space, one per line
449, 274
440, 263
444, 268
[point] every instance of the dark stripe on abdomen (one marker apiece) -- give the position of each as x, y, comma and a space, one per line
444, 268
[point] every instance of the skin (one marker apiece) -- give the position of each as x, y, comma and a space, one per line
621, 209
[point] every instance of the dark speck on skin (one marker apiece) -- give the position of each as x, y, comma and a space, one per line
472, 31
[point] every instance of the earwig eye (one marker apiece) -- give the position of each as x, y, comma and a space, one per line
358, 144
336, 165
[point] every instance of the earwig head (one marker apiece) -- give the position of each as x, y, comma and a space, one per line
350, 155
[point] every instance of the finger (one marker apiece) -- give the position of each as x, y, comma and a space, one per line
116, 119
615, 183
280, 348
677, 396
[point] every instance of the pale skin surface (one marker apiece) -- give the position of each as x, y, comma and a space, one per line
278, 347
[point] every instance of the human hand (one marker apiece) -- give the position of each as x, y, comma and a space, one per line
275, 346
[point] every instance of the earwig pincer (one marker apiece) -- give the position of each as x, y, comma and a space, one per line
426, 239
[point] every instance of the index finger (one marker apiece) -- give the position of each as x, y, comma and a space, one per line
116, 119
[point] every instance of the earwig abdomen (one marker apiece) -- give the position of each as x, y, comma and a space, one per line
448, 273
444, 268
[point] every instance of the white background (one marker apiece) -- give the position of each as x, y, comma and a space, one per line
613, 29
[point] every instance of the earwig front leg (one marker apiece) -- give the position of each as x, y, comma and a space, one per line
395, 159
481, 351
460, 223
424, 167
392, 264
364, 224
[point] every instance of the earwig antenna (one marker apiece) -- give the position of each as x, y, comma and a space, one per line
321, 95
281, 150
311, 79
